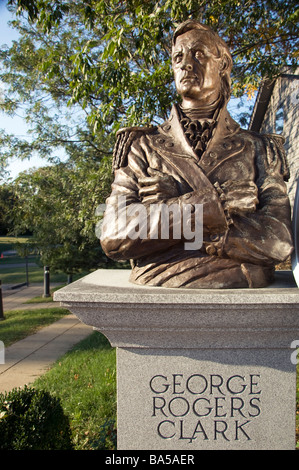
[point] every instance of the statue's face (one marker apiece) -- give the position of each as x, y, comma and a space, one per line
196, 68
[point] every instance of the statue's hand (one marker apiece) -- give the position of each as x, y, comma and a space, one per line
157, 187
241, 197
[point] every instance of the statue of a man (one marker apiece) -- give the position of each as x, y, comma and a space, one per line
199, 158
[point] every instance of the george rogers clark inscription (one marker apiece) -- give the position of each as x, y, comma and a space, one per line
206, 407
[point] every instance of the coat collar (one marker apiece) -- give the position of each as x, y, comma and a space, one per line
172, 138
175, 146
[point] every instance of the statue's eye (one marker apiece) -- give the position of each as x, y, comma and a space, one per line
178, 58
199, 55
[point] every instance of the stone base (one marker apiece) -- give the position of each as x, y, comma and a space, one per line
205, 399
197, 369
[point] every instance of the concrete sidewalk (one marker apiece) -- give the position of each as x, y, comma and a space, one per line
15, 298
33, 356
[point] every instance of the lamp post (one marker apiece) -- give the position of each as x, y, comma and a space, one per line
46, 281
27, 272
1, 303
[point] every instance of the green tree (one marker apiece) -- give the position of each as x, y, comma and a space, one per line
124, 49
7, 201
58, 205
36, 71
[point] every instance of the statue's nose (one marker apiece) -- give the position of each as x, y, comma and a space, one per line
187, 63
187, 66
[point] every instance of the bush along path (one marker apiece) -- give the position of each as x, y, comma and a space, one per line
27, 359
76, 398
33, 420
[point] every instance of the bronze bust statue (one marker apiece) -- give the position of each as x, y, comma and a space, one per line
199, 158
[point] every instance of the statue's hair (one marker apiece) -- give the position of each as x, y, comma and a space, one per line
222, 49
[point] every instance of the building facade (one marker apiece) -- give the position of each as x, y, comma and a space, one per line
276, 111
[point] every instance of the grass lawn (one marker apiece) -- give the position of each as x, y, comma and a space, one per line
41, 299
21, 323
85, 381
10, 274
17, 259
7, 242
36, 274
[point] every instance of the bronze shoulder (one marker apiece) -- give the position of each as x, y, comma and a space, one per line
124, 140
275, 152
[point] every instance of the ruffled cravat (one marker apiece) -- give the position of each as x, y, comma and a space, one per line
198, 133
198, 125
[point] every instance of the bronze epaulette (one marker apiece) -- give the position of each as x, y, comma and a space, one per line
124, 139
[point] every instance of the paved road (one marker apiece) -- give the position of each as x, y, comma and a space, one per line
15, 298
17, 265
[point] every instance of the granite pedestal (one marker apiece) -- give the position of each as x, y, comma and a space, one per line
197, 369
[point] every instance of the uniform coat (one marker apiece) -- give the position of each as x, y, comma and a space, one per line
240, 247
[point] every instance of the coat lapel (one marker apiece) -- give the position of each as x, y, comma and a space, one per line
178, 152
172, 142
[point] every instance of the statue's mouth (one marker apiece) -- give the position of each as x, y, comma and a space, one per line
189, 78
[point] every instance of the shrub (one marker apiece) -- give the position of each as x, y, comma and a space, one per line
106, 438
108, 435
33, 420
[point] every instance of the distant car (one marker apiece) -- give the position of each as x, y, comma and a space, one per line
4, 254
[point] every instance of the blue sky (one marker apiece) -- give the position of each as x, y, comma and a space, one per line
15, 125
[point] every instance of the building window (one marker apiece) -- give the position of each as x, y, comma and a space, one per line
279, 120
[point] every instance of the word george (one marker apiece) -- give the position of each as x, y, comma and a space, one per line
197, 384
156, 221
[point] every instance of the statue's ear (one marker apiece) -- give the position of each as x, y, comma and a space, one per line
225, 64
